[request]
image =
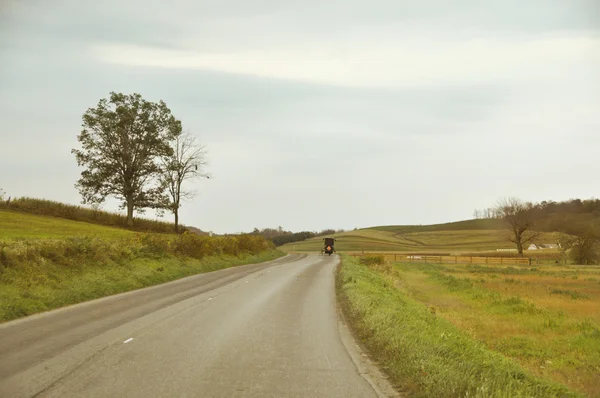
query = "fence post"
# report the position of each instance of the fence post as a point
(455, 259)
(395, 257)
(471, 259)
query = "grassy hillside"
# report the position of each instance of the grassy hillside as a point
(466, 225)
(451, 238)
(48, 262)
(16, 225)
(42, 207)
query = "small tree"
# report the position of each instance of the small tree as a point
(121, 140)
(518, 215)
(581, 243)
(185, 162)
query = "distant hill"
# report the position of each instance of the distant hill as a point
(450, 238)
(488, 234)
(466, 225)
(197, 231)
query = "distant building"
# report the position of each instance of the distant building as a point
(550, 246)
(543, 246)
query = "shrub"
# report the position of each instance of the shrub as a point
(373, 260)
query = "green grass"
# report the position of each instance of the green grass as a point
(423, 353)
(42, 207)
(31, 289)
(16, 225)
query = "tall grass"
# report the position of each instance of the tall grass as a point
(78, 213)
(74, 250)
(422, 353)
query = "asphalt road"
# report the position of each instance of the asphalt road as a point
(262, 330)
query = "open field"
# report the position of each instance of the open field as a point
(545, 318)
(442, 239)
(427, 354)
(16, 225)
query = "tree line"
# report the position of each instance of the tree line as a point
(575, 222)
(137, 152)
(280, 237)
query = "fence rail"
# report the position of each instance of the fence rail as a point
(449, 259)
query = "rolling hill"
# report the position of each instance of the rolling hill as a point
(17, 225)
(451, 238)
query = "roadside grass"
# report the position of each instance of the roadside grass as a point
(41, 287)
(539, 316)
(48, 262)
(423, 353)
(15, 225)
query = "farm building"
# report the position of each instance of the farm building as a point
(543, 246)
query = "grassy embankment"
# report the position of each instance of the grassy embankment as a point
(458, 330)
(49, 262)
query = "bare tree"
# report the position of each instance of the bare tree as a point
(477, 214)
(519, 217)
(187, 162)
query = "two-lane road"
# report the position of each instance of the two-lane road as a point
(268, 329)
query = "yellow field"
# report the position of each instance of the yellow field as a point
(547, 318)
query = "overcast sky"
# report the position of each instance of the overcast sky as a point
(315, 113)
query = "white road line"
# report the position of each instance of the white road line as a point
(210, 298)
(129, 340)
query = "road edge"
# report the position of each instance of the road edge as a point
(280, 260)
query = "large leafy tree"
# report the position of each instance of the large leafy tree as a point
(122, 140)
(186, 161)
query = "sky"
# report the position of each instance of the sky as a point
(317, 114)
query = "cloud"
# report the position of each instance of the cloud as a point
(406, 61)
(318, 114)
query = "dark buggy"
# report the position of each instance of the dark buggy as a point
(329, 248)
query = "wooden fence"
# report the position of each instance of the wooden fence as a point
(449, 259)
